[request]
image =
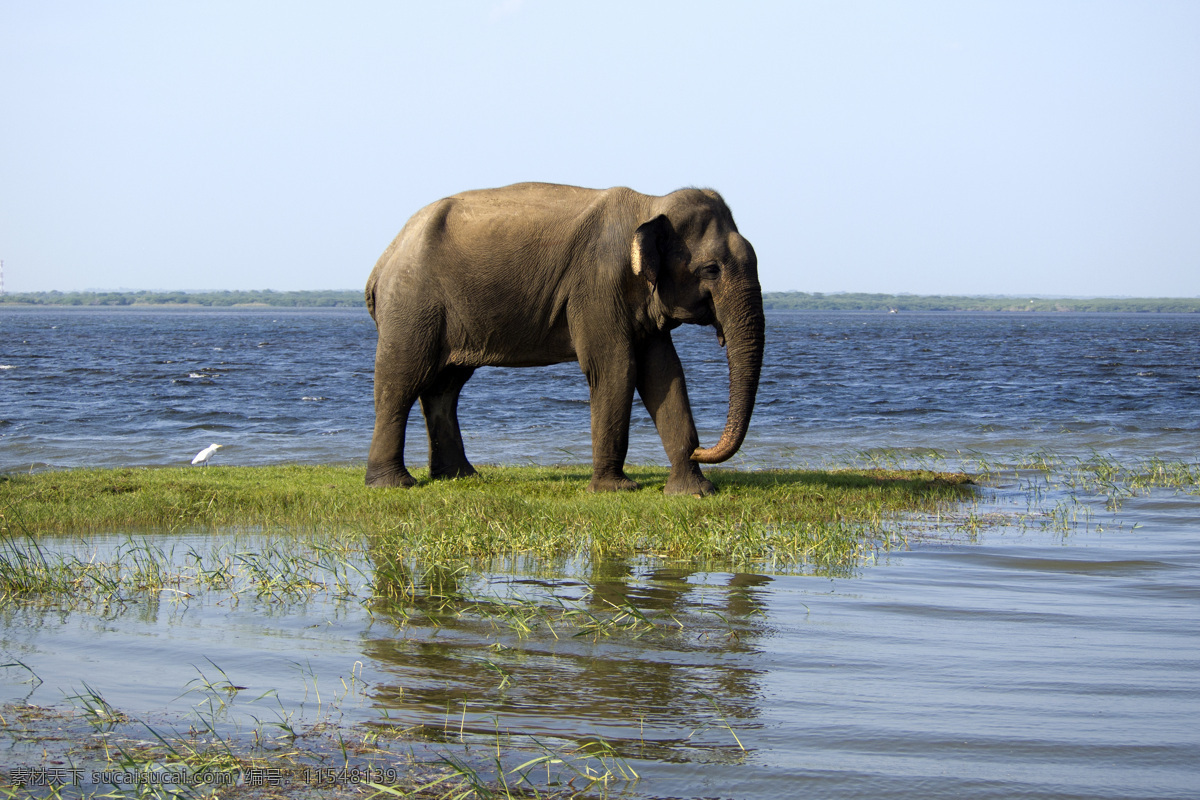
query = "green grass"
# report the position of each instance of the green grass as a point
(213, 758)
(792, 516)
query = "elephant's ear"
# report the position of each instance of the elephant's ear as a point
(650, 242)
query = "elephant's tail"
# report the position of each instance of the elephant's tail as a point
(371, 295)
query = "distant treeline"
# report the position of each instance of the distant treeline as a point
(783, 301)
(815, 301)
(265, 297)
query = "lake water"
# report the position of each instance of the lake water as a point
(1055, 655)
(151, 387)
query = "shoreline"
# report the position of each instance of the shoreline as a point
(772, 301)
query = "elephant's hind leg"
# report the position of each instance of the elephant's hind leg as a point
(447, 457)
(400, 377)
(385, 461)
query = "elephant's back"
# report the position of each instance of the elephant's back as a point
(487, 270)
(523, 216)
(528, 196)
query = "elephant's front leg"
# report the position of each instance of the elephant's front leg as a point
(661, 386)
(611, 377)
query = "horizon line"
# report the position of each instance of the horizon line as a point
(989, 295)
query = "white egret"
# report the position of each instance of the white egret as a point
(204, 455)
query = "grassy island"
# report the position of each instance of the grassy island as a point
(291, 535)
(788, 516)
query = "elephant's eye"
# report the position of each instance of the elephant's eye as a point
(709, 272)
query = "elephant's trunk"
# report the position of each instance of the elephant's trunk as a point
(742, 324)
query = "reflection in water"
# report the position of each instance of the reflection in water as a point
(655, 660)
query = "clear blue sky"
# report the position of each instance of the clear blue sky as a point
(927, 147)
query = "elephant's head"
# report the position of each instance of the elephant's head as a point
(702, 271)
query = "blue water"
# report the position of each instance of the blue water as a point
(1034, 659)
(152, 387)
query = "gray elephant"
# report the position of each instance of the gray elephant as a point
(536, 274)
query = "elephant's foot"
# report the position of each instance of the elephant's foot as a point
(690, 481)
(461, 470)
(612, 483)
(385, 478)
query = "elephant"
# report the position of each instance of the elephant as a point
(535, 274)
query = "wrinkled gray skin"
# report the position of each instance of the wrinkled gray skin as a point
(536, 274)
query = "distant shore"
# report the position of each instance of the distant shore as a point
(885, 303)
(778, 301)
